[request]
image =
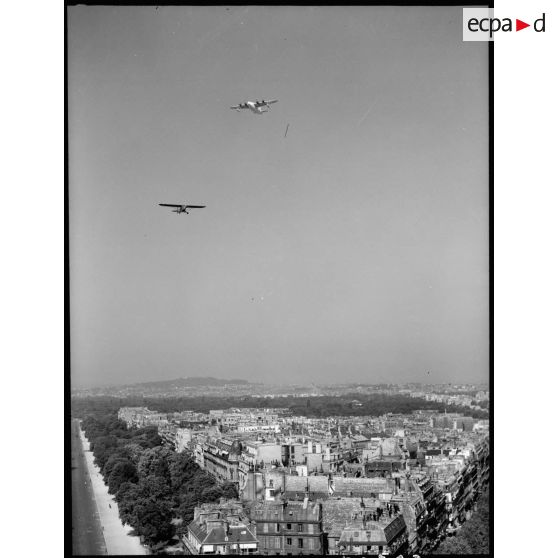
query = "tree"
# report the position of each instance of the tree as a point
(123, 471)
(155, 461)
(454, 545)
(158, 488)
(103, 447)
(153, 521)
(132, 451)
(149, 517)
(474, 536)
(126, 497)
(229, 490)
(116, 457)
(211, 494)
(182, 469)
(147, 437)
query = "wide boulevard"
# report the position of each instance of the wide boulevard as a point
(87, 534)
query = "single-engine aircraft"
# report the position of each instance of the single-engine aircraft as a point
(255, 106)
(181, 208)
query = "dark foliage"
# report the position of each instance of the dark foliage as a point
(153, 521)
(103, 447)
(323, 406)
(152, 484)
(123, 471)
(474, 536)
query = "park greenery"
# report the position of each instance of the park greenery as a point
(353, 404)
(156, 488)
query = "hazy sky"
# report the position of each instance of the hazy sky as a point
(354, 249)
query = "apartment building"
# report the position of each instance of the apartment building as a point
(286, 527)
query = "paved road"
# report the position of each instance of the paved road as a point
(87, 534)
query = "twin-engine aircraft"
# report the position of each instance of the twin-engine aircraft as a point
(255, 106)
(181, 208)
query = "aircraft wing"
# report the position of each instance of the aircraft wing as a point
(238, 107)
(265, 103)
(195, 206)
(170, 205)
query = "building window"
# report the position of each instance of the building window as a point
(300, 543)
(288, 526)
(300, 527)
(289, 541)
(277, 526)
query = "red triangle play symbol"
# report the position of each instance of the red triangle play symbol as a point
(519, 25)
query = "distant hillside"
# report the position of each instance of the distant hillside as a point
(191, 382)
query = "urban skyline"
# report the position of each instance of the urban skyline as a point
(304, 479)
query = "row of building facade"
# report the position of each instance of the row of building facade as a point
(392, 485)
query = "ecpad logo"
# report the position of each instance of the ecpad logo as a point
(479, 24)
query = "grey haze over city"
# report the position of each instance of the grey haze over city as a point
(355, 248)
